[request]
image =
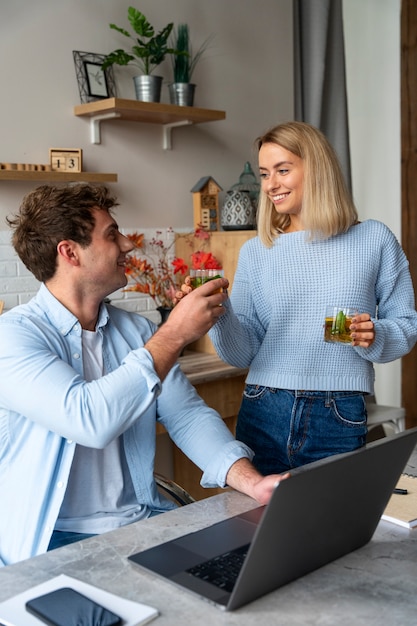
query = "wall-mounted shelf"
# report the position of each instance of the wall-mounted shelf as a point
(168, 115)
(87, 177)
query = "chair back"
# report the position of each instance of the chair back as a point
(390, 418)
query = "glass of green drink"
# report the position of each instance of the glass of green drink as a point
(199, 277)
(337, 324)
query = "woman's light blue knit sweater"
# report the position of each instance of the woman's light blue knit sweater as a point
(275, 314)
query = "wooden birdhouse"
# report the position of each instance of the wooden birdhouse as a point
(206, 203)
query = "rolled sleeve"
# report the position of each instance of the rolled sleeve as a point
(148, 372)
(216, 470)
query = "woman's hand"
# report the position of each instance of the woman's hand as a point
(363, 331)
(186, 288)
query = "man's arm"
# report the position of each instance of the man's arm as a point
(190, 319)
(245, 478)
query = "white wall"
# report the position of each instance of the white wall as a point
(372, 40)
(247, 72)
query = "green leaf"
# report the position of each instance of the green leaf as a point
(148, 50)
(139, 23)
(341, 322)
(120, 30)
(185, 60)
(120, 57)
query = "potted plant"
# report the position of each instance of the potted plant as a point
(154, 270)
(147, 52)
(181, 91)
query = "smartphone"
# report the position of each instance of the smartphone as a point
(67, 607)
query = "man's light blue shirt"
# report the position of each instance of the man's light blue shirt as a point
(46, 407)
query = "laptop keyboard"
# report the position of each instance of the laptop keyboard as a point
(223, 570)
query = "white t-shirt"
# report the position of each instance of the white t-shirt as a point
(99, 495)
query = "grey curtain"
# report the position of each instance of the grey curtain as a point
(319, 73)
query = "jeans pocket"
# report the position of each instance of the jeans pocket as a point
(254, 392)
(350, 409)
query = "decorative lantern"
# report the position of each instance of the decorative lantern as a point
(239, 208)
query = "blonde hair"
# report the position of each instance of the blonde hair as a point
(328, 208)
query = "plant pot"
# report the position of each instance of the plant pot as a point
(164, 312)
(181, 94)
(148, 88)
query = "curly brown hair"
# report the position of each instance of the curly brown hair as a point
(51, 214)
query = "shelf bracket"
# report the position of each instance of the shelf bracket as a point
(95, 122)
(167, 132)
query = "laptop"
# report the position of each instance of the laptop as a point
(322, 511)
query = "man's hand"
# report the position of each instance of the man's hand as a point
(264, 489)
(245, 478)
(189, 320)
(193, 316)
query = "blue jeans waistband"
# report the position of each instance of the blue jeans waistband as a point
(303, 393)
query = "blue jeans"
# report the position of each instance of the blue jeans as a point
(62, 538)
(287, 428)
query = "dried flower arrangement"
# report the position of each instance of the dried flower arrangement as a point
(156, 272)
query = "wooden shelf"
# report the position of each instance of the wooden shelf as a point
(87, 177)
(167, 115)
(148, 112)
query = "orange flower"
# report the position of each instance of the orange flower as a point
(180, 266)
(136, 239)
(155, 273)
(204, 261)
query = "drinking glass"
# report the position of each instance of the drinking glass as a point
(199, 277)
(337, 324)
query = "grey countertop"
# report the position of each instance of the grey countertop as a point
(374, 585)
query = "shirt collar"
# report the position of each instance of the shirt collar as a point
(60, 316)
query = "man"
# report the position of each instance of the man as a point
(82, 384)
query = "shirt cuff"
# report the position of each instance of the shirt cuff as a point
(215, 473)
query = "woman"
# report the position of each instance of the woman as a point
(304, 398)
